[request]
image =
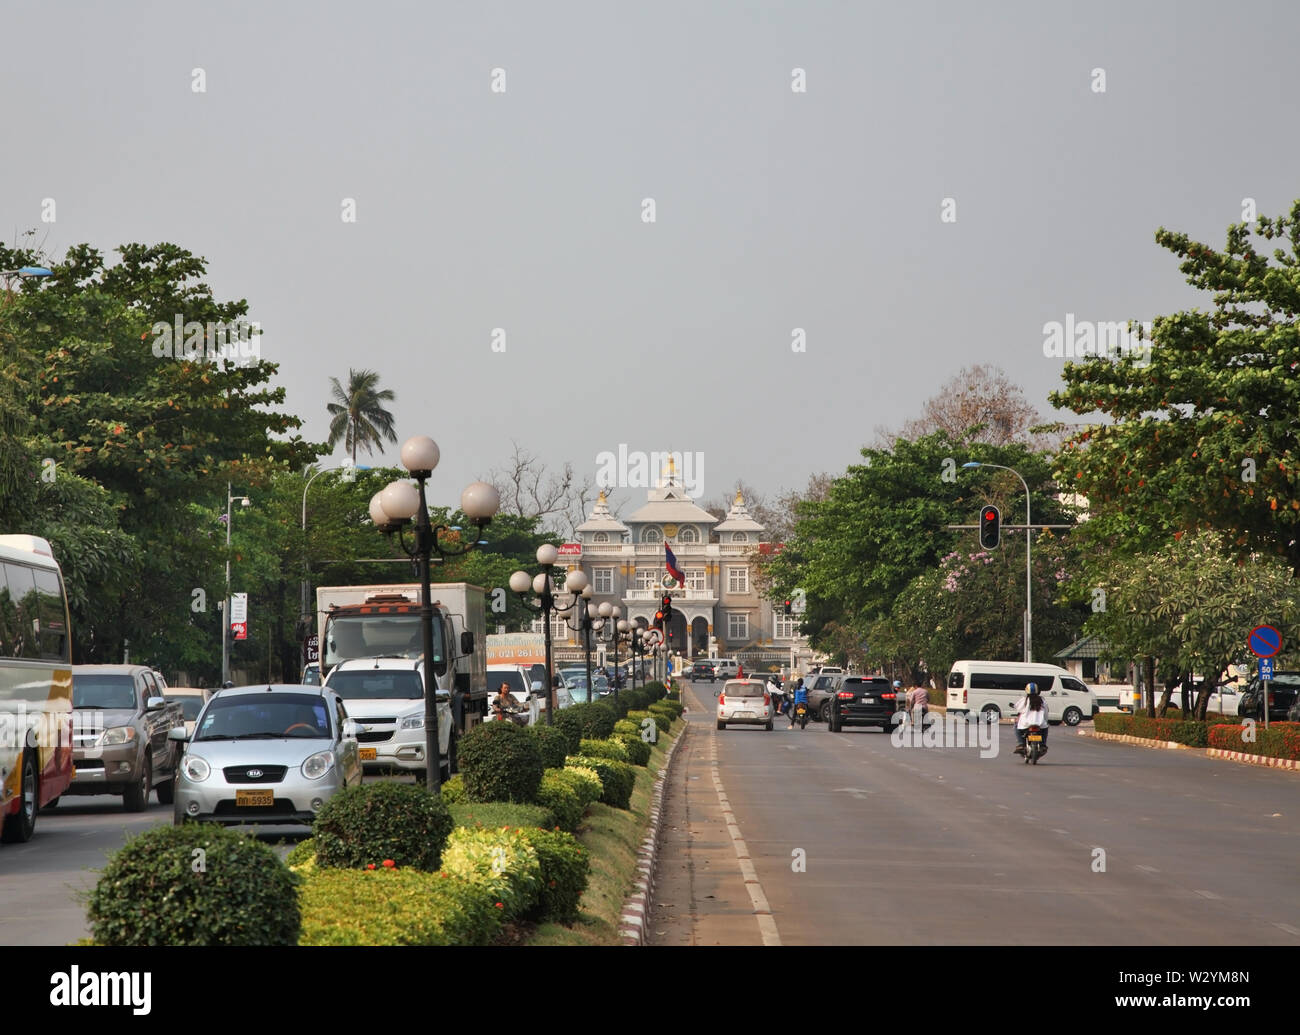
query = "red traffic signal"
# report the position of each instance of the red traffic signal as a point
(788, 607)
(990, 528)
(659, 620)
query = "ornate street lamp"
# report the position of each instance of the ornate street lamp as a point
(575, 583)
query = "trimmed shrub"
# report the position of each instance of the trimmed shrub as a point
(569, 722)
(673, 708)
(501, 862)
(1280, 740)
(301, 852)
(396, 907)
(453, 790)
(1180, 731)
(617, 779)
(500, 762)
(554, 744)
(627, 726)
(566, 866)
(604, 749)
(561, 797)
(599, 720)
(662, 720)
(638, 751)
(501, 814)
(586, 783)
(378, 821)
(150, 893)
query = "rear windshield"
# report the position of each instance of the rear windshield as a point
(513, 679)
(190, 706)
(867, 681)
(957, 680)
(744, 689)
(265, 716)
(91, 691)
(376, 684)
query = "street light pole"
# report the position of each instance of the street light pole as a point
(225, 607)
(305, 611)
(575, 583)
(1029, 582)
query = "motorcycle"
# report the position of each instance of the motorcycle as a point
(801, 715)
(1034, 745)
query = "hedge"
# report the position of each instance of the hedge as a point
(1280, 740)
(627, 726)
(586, 783)
(554, 744)
(500, 762)
(1181, 731)
(155, 892)
(301, 852)
(566, 865)
(663, 721)
(501, 814)
(604, 749)
(560, 796)
(506, 867)
(396, 907)
(673, 708)
(453, 790)
(617, 778)
(377, 821)
(638, 751)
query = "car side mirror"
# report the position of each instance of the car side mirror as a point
(537, 686)
(154, 703)
(467, 642)
(716, 692)
(351, 728)
(178, 733)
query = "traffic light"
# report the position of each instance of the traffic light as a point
(666, 606)
(789, 607)
(990, 527)
(659, 621)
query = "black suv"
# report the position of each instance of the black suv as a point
(704, 670)
(865, 701)
(1282, 694)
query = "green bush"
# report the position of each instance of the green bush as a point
(661, 720)
(647, 725)
(604, 749)
(501, 814)
(301, 852)
(378, 821)
(453, 790)
(566, 866)
(153, 891)
(586, 783)
(500, 762)
(396, 907)
(569, 722)
(561, 797)
(499, 861)
(1280, 740)
(554, 744)
(638, 751)
(617, 778)
(627, 726)
(673, 708)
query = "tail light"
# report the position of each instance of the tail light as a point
(1271, 700)
(888, 696)
(964, 699)
(845, 695)
(722, 698)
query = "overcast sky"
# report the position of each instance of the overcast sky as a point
(774, 209)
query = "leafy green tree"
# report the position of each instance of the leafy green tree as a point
(358, 417)
(1204, 435)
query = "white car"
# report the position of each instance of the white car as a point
(385, 697)
(191, 699)
(745, 702)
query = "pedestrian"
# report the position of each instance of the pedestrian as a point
(919, 699)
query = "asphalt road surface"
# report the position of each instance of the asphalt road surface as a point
(818, 838)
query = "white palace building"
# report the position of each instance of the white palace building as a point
(719, 612)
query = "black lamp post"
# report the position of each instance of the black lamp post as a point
(617, 627)
(392, 509)
(575, 583)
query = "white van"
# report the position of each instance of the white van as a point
(990, 688)
(726, 668)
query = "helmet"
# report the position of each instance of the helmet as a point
(898, 682)
(1031, 688)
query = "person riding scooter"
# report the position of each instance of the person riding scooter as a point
(800, 697)
(1031, 711)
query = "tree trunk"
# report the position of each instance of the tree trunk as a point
(1149, 681)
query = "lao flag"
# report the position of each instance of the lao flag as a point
(673, 570)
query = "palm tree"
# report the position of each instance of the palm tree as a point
(357, 416)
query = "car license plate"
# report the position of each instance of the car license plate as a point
(744, 715)
(255, 798)
(369, 754)
(868, 700)
(1035, 738)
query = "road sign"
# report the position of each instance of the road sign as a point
(239, 630)
(311, 649)
(1265, 668)
(238, 608)
(1264, 641)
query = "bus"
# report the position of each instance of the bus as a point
(35, 684)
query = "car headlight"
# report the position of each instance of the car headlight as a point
(412, 722)
(117, 735)
(196, 769)
(318, 765)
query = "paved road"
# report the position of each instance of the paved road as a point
(938, 845)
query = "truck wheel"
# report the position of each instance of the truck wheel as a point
(19, 827)
(166, 791)
(1072, 716)
(136, 798)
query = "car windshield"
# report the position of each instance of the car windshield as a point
(265, 716)
(376, 684)
(190, 706)
(103, 691)
(311, 675)
(1285, 681)
(373, 636)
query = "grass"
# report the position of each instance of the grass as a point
(613, 837)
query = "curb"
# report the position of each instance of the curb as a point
(1287, 764)
(632, 922)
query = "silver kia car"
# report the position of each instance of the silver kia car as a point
(266, 754)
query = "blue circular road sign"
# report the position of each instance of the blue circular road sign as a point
(1264, 641)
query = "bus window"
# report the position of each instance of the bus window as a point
(22, 590)
(10, 631)
(53, 639)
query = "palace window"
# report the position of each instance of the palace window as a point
(602, 579)
(737, 580)
(737, 626)
(652, 535)
(688, 534)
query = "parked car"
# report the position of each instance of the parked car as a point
(578, 688)
(865, 701)
(726, 668)
(1282, 694)
(703, 670)
(266, 754)
(385, 698)
(191, 699)
(745, 702)
(120, 744)
(311, 674)
(821, 692)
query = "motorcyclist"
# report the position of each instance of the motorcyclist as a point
(774, 693)
(800, 697)
(1030, 711)
(504, 707)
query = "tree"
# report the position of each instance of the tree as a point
(529, 489)
(978, 404)
(357, 415)
(1203, 432)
